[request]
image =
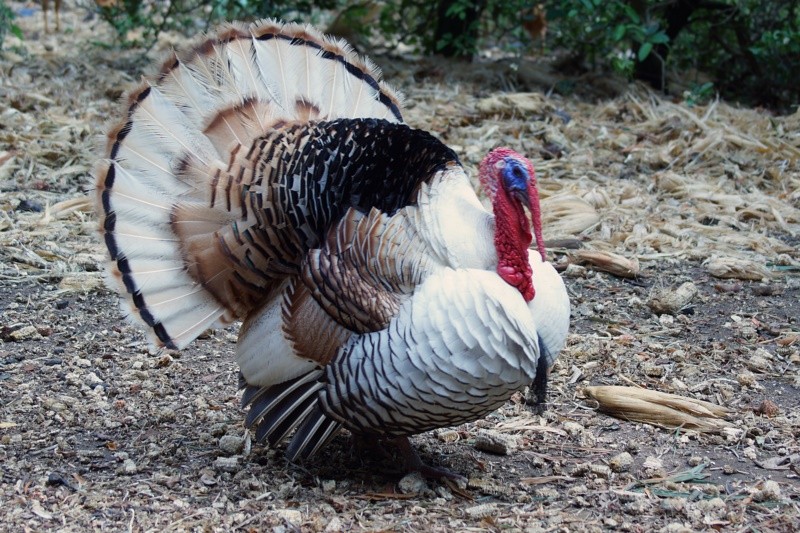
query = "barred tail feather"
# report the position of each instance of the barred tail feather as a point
(312, 435)
(278, 410)
(166, 163)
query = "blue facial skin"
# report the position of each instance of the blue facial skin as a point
(515, 180)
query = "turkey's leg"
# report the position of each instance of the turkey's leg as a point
(413, 463)
(537, 394)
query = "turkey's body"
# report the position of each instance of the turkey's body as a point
(266, 176)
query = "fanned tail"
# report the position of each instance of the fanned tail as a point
(168, 188)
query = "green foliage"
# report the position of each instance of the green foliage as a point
(355, 20)
(699, 94)
(410, 22)
(462, 42)
(139, 22)
(605, 32)
(7, 23)
(420, 24)
(751, 49)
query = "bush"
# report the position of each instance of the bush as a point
(751, 49)
(6, 23)
(139, 22)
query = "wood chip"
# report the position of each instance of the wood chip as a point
(495, 442)
(481, 511)
(672, 300)
(488, 486)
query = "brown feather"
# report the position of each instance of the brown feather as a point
(302, 315)
(238, 124)
(306, 111)
(366, 268)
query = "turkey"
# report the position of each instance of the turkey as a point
(267, 176)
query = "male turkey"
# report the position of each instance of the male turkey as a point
(266, 175)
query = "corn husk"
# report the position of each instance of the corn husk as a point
(515, 104)
(659, 408)
(496, 442)
(735, 268)
(608, 262)
(83, 204)
(565, 215)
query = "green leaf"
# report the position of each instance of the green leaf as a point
(446, 39)
(644, 51)
(619, 32)
(659, 38)
(636, 33)
(633, 15)
(17, 31)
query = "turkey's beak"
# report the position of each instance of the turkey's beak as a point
(522, 197)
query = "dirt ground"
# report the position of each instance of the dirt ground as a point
(98, 433)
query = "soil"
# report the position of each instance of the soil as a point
(99, 433)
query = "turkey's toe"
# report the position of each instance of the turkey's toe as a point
(413, 463)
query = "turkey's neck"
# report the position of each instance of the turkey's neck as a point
(512, 239)
(455, 224)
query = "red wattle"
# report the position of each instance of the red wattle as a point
(511, 239)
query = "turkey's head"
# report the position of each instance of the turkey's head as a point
(510, 183)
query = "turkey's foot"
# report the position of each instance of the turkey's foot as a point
(413, 463)
(370, 449)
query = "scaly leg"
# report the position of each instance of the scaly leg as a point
(413, 463)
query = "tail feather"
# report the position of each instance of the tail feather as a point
(276, 429)
(313, 434)
(277, 410)
(185, 87)
(240, 124)
(171, 188)
(155, 132)
(157, 275)
(270, 397)
(273, 65)
(245, 75)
